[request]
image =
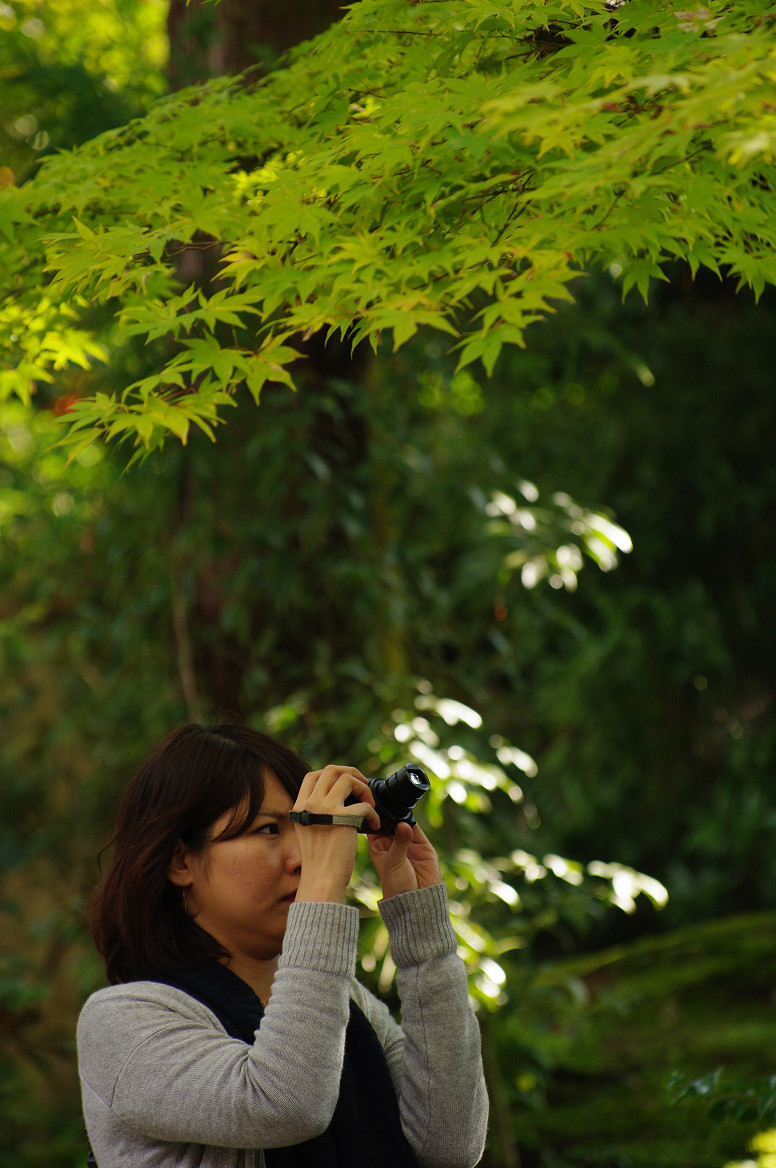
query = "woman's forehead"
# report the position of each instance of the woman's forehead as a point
(276, 797)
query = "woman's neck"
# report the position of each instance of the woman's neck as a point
(258, 973)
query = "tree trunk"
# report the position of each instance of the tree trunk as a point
(207, 40)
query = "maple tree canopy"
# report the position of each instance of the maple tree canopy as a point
(452, 164)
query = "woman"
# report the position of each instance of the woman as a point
(234, 1034)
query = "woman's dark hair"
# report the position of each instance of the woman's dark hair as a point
(195, 775)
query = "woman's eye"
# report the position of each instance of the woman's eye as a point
(267, 829)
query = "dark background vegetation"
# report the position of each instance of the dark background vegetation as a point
(330, 563)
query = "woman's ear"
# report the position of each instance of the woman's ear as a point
(180, 872)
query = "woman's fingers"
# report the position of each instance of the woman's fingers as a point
(326, 792)
(363, 811)
(336, 781)
(306, 789)
(381, 845)
(321, 782)
(405, 861)
(348, 784)
(328, 852)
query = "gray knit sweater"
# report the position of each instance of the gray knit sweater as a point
(165, 1087)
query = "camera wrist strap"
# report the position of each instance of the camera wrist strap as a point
(310, 818)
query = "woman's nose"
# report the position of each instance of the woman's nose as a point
(293, 855)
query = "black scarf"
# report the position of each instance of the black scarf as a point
(365, 1129)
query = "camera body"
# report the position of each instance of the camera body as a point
(395, 796)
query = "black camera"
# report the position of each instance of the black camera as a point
(396, 795)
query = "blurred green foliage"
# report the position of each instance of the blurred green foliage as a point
(70, 70)
(660, 697)
(698, 997)
(405, 560)
(330, 571)
(764, 1147)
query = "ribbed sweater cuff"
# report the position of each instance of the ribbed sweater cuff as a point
(322, 936)
(418, 925)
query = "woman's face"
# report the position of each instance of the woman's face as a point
(239, 890)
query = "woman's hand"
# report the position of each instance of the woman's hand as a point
(404, 861)
(329, 853)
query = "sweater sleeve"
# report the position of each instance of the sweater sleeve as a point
(163, 1065)
(435, 1058)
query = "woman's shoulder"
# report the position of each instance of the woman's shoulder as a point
(119, 1021)
(137, 1003)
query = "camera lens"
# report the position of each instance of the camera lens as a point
(396, 795)
(416, 776)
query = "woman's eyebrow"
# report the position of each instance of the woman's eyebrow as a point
(272, 814)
